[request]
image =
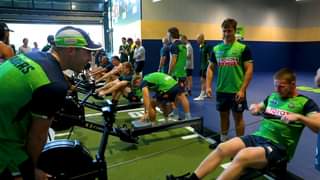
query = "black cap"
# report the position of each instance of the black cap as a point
(4, 27)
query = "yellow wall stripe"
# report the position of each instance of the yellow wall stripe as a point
(152, 29)
(308, 34)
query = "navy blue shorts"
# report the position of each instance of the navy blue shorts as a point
(226, 101)
(169, 96)
(203, 73)
(181, 81)
(189, 72)
(275, 153)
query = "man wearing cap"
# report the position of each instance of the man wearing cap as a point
(33, 89)
(47, 47)
(5, 49)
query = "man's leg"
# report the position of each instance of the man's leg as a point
(224, 150)
(224, 125)
(189, 80)
(203, 87)
(185, 105)
(115, 87)
(252, 157)
(239, 123)
(152, 111)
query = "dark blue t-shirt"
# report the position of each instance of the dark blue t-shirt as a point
(165, 52)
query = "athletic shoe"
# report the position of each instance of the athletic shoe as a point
(199, 98)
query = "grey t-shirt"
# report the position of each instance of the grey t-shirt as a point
(189, 63)
(139, 54)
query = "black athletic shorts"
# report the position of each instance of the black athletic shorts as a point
(226, 101)
(189, 72)
(169, 96)
(274, 152)
(203, 73)
(181, 81)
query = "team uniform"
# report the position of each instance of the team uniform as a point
(204, 58)
(179, 49)
(46, 48)
(279, 138)
(165, 52)
(165, 87)
(230, 59)
(32, 85)
(135, 95)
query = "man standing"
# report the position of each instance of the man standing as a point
(123, 50)
(24, 48)
(139, 56)
(33, 89)
(205, 50)
(131, 48)
(164, 56)
(50, 43)
(189, 63)
(235, 67)
(178, 56)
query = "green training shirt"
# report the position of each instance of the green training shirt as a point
(180, 50)
(26, 88)
(230, 59)
(159, 82)
(278, 131)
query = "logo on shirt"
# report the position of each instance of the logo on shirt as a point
(231, 61)
(23, 66)
(291, 106)
(273, 102)
(276, 112)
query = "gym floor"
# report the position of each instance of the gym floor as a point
(173, 152)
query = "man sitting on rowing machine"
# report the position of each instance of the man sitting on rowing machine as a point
(117, 85)
(132, 91)
(287, 114)
(167, 92)
(109, 73)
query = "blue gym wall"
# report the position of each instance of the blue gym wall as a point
(279, 33)
(268, 56)
(306, 58)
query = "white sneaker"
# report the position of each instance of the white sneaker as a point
(199, 98)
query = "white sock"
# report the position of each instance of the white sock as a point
(176, 112)
(187, 116)
(202, 93)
